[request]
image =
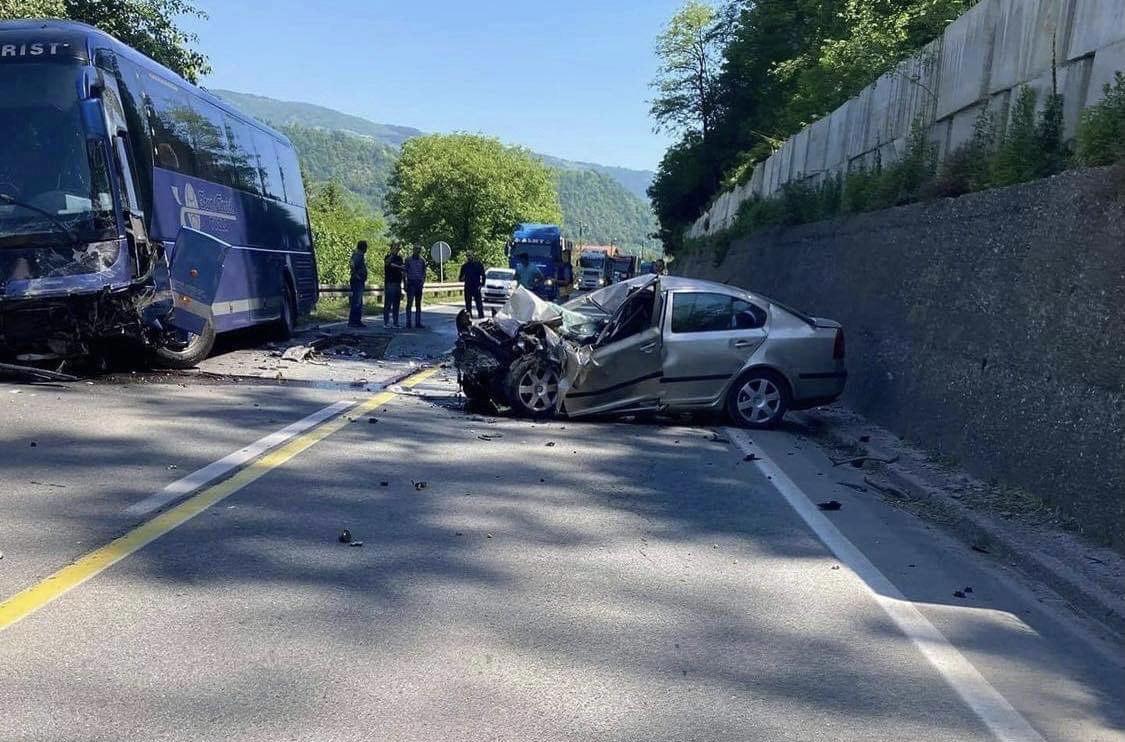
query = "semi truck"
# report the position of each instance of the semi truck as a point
(594, 266)
(545, 248)
(622, 268)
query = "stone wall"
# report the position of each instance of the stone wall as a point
(982, 59)
(989, 328)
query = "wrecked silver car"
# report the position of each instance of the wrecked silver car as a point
(652, 344)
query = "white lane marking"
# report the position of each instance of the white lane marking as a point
(993, 709)
(213, 471)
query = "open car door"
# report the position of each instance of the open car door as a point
(195, 267)
(626, 364)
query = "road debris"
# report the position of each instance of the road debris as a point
(716, 438)
(830, 505)
(751, 457)
(33, 373)
(859, 461)
(981, 549)
(172, 467)
(853, 485)
(33, 444)
(345, 536)
(384, 484)
(357, 544)
(887, 489)
(372, 420)
(419, 486)
(550, 444)
(489, 436)
(298, 353)
(959, 594)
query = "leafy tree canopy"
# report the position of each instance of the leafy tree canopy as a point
(786, 63)
(470, 191)
(339, 220)
(148, 26)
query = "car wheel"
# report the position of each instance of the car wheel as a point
(533, 387)
(758, 399)
(180, 349)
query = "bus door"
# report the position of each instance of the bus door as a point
(195, 269)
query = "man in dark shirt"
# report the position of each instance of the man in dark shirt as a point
(358, 284)
(415, 283)
(472, 275)
(394, 275)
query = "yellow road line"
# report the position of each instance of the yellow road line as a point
(23, 604)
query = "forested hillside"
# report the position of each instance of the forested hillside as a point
(599, 210)
(600, 203)
(291, 113)
(360, 164)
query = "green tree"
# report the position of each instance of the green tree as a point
(146, 25)
(1101, 135)
(690, 52)
(339, 220)
(470, 191)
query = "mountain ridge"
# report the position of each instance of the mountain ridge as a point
(281, 114)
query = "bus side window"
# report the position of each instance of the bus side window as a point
(268, 166)
(243, 157)
(172, 121)
(209, 140)
(291, 174)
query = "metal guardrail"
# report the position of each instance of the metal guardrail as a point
(429, 288)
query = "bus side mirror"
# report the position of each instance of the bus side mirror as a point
(92, 117)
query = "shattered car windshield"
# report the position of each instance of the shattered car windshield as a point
(610, 299)
(51, 186)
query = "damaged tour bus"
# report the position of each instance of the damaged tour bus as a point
(135, 206)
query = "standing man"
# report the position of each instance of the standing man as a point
(394, 275)
(358, 284)
(472, 274)
(527, 275)
(415, 281)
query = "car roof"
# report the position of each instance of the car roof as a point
(680, 283)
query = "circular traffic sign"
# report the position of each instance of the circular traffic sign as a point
(440, 252)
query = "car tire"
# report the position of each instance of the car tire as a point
(189, 354)
(758, 399)
(533, 388)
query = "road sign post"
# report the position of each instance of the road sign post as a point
(440, 252)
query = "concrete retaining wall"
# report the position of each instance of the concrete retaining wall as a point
(989, 328)
(982, 58)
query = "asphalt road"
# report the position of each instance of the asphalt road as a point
(554, 581)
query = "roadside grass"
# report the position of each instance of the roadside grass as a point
(334, 308)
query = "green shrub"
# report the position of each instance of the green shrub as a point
(860, 189)
(1101, 133)
(1032, 147)
(968, 168)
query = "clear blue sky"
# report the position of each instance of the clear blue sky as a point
(568, 78)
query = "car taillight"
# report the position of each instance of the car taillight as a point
(838, 348)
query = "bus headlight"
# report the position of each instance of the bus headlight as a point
(601, 282)
(550, 282)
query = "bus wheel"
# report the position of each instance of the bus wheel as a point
(286, 324)
(180, 349)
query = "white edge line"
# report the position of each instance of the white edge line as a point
(992, 708)
(223, 466)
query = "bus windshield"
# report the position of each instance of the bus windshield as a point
(54, 186)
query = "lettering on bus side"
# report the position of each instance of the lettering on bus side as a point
(33, 49)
